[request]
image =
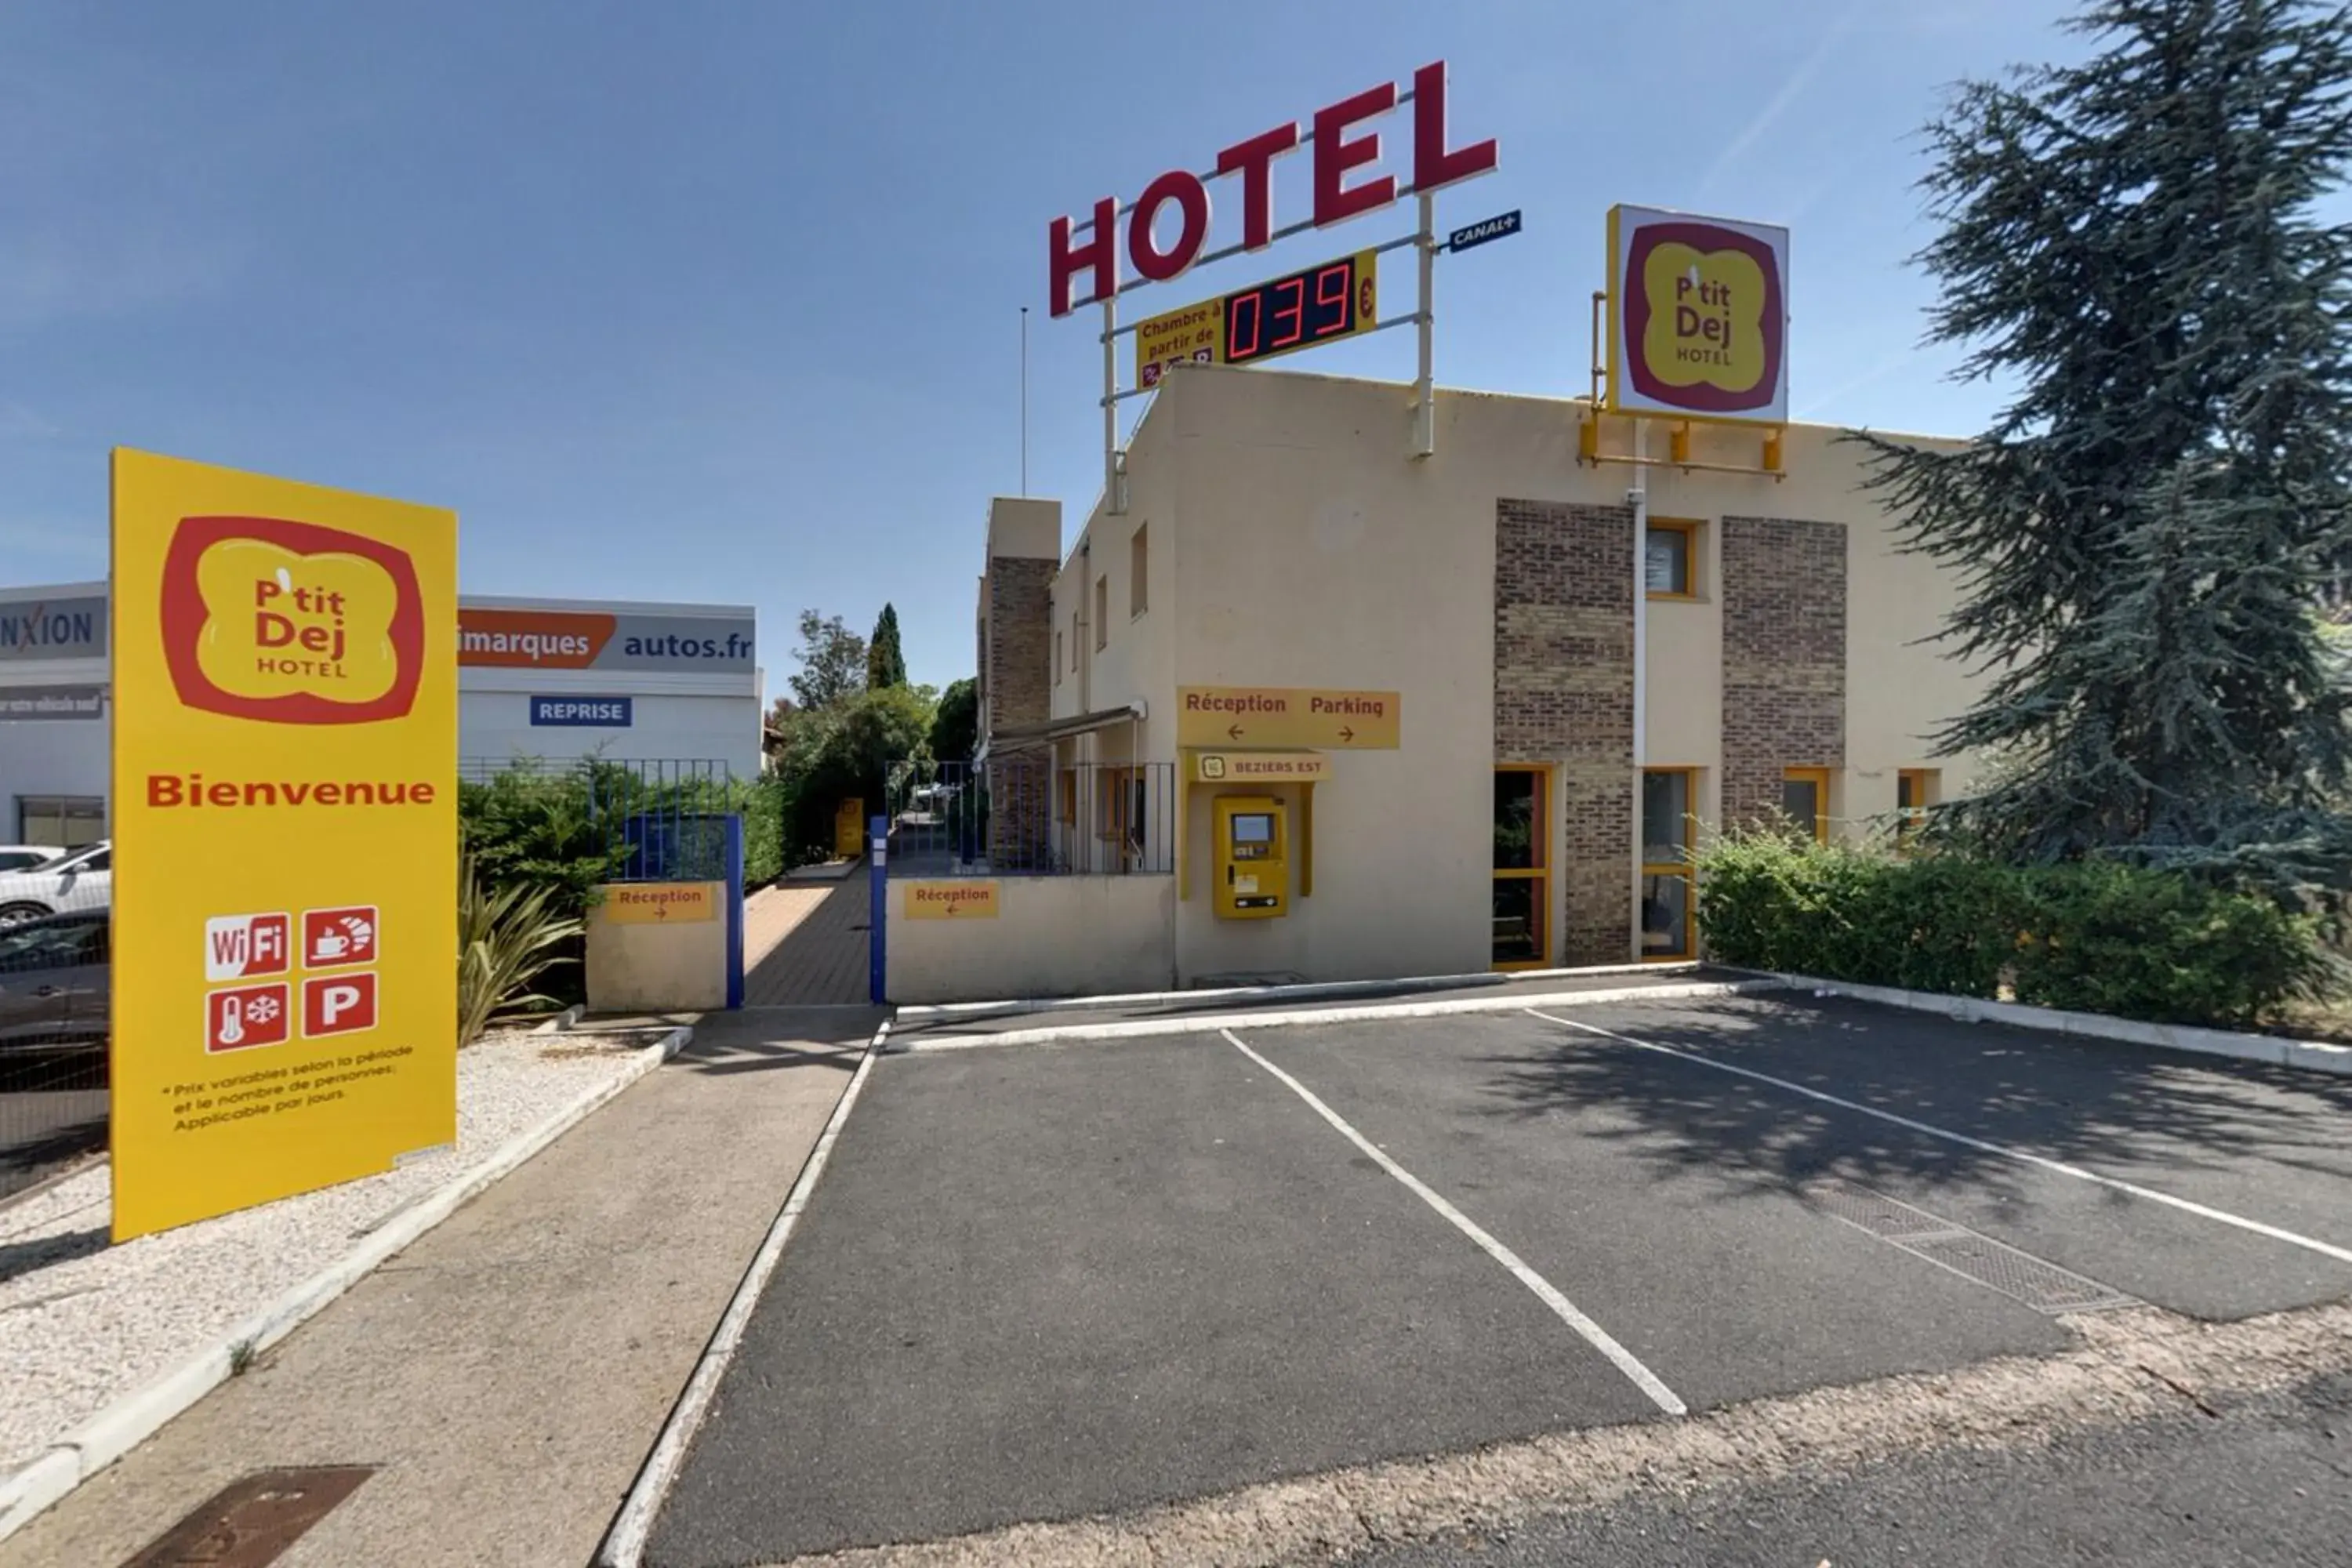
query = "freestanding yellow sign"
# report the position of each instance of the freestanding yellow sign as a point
(285, 837)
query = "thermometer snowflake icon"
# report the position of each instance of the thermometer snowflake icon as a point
(264, 1009)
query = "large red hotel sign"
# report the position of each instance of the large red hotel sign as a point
(1339, 151)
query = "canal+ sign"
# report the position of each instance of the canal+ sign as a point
(1342, 149)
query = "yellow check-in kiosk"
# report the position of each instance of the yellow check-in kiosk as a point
(1252, 857)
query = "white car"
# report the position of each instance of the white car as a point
(25, 857)
(83, 879)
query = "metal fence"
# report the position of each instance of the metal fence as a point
(657, 820)
(1022, 814)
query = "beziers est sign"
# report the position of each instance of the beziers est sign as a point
(1339, 150)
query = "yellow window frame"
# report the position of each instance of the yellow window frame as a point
(1688, 526)
(1068, 804)
(1681, 870)
(1920, 783)
(1539, 851)
(1819, 779)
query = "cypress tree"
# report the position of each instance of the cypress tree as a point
(2147, 534)
(885, 665)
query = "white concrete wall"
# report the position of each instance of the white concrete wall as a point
(55, 756)
(685, 719)
(644, 967)
(1051, 936)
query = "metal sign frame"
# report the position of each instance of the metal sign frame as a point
(1426, 241)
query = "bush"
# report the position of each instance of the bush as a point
(2100, 937)
(507, 939)
(2107, 938)
(765, 807)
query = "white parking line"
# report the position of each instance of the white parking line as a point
(1594, 1334)
(2041, 1162)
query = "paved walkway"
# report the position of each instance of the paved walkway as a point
(806, 945)
(508, 1373)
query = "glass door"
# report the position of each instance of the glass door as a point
(1522, 933)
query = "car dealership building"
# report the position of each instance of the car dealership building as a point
(542, 680)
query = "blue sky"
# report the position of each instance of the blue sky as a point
(720, 303)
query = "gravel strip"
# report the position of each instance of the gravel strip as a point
(82, 1323)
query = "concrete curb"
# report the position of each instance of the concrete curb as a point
(625, 1539)
(1208, 1023)
(114, 1431)
(2312, 1055)
(1302, 991)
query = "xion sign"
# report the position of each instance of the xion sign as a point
(1332, 299)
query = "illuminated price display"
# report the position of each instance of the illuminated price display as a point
(1336, 300)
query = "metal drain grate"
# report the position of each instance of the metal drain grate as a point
(2045, 1287)
(249, 1523)
(1874, 1212)
(1995, 1265)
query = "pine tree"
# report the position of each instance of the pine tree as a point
(885, 666)
(2147, 534)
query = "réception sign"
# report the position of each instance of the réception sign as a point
(1339, 151)
(286, 837)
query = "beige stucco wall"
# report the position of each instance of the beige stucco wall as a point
(1295, 543)
(1051, 936)
(657, 966)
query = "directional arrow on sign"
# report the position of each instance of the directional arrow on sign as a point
(1233, 732)
(1347, 734)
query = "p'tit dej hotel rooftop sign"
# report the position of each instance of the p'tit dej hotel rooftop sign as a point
(1339, 150)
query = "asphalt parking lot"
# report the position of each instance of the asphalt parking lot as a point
(1046, 1280)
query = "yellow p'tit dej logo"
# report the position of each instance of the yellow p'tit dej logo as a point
(1704, 317)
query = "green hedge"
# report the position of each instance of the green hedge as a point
(2095, 937)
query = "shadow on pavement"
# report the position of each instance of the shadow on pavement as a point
(2086, 1103)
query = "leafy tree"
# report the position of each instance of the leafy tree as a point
(2148, 530)
(844, 751)
(832, 660)
(885, 665)
(955, 730)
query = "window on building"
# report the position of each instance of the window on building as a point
(1669, 804)
(1915, 789)
(1058, 658)
(1805, 797)
(1069, 796)
(1670, 558)
(65, 821)
(1075, 627)
(1102, 612)
(1139, 572)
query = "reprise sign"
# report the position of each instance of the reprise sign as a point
(1340, 152)
(285, 838)
(1698, 316)
(575, 639)
(585, 712)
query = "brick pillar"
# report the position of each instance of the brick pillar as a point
(1019, 638)
(1564, 695)
(1784, 621)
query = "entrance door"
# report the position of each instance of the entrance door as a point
(1522, 936)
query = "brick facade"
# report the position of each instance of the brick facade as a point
(1784, 628)
(1564, 695)
(1018, 677)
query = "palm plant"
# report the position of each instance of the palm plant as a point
(505, 942)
